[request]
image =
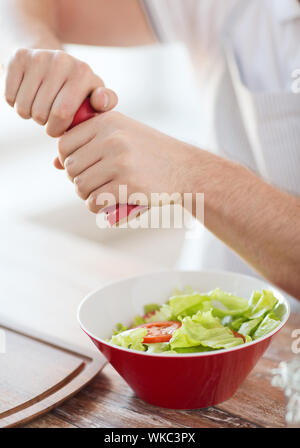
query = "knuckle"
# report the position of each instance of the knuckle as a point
(8, 98)
(39, 56)
(60, 55)
(62, 150)
(122, 161)
(63, 112)
(23, 111)
(39, 116)
(68, 164)
(116, 139)
(80, 188)
(53, 131)
(20, 53)
(82, 69)
(62, 58)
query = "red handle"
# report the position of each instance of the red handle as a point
(85, 112)
(120, 212)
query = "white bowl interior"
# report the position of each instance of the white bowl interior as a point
(120, 301)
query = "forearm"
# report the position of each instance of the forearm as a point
(258, 221)
(27, 24)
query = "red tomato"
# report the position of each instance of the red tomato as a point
(238, 335)
(160, 331)
(147, 315)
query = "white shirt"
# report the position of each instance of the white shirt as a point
(244, 53)
(266, 39)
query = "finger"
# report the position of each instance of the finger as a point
(83, 158)
(92, 178)
(74, 139)
(102, 125)
(103, 99)
(57, 164)
(47, 93)
(103, 197)
(14, 76)
(27, 91)
(67, 103)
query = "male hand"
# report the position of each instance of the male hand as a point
(50, 85)
(111, 150)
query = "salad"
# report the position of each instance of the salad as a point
(190, 322)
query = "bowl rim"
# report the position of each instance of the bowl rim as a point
(184, 355)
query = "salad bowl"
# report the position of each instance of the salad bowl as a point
(181, 380)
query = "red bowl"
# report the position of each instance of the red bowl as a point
(185, 381)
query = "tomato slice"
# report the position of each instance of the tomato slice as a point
(238, 335)
(160, 331)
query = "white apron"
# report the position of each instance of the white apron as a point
(260, 131)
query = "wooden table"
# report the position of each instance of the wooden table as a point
(52, 279)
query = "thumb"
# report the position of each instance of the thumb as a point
(103, 99)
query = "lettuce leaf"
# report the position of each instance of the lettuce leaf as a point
(138, 320)
(197, 349)
(163, 314)
(203, 329)
(225, 304)
(266, 326)
(131, 339)
(265, 303)
(237, 322)
(248, 327)
(278, 311)
(119, 328)
(150, 307)
(255, 296)
(158, 347)
(189, 304)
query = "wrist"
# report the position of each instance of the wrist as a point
(43, 38)
(217, 179)
(40, 38)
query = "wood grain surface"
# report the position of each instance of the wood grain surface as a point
(36, 376)
(108, 402)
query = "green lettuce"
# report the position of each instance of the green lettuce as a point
(265, 303)
(278, 312)
(189, 304)
(158, 347)
(119, 328)
(163, 314)
(236, 323)
(207, 321)
(255, 296)
(197, 349)
(203, 329)
(131, 339)
(266, 326)
(150, 307)
(226, 304)
(248, 327)
(138, 320)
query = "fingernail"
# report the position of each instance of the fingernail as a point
(68, 161)
(106, 100)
